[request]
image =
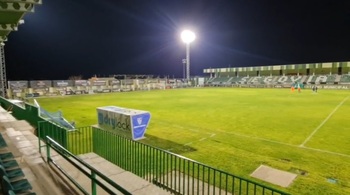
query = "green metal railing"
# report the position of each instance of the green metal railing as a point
(30, 113)
(47, 128)
(173, 172)
(77, 141)
(92, 173)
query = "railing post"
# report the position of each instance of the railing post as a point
(93, 183)
(48, 150)
(38, 131)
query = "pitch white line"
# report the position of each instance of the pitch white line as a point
(286, 144)
(268, 140)
(326, 151)
(271, 141)
(184, 127)
(189, 129)
(256, 138)
(202, 139)
(324, 121)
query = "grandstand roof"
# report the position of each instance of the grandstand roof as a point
(279, 67)
(12, 13)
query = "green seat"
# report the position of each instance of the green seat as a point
(2, 142)
(6, 156)
(10, 192)
(10, 164)
(18, 186)
(11, 174)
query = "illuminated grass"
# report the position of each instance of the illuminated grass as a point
(237, 130)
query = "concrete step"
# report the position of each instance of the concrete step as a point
(127, 180)
(46, 179)
(23, 144)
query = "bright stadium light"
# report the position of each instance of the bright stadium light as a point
(187, 37)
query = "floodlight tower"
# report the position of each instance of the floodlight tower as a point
(184, 62)
(3, 80)
(187, 37)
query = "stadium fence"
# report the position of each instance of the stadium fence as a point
(173, 172)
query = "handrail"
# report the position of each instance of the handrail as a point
(163, 168)
(220, 171)
(158, 166)
(65, 153)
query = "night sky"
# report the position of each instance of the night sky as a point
(105, 37)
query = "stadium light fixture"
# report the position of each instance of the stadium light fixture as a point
(188, 37)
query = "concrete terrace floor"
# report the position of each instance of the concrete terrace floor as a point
(46, 179)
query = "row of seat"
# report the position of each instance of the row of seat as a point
(345, 79)
(11, 175)
(329, 79)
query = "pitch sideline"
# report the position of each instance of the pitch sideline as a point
(324, 121)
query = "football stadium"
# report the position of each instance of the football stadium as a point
(278, 129)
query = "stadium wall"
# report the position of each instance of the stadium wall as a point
(26, 89)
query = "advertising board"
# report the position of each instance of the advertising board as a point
(128, 122)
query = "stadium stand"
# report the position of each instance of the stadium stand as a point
(311, 79)
(17, 186)
(337, 78)
(327, 75)
(18, 142)
(331, 79)
(256, 80)
(220, 80)
(235, 80)
(345, 79)
(304, 79)
(11, 173)
(12, 176)
(283, 80)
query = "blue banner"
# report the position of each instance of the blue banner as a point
(139, 125)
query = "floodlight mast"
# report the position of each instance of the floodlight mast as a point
(188, 62)
(184, 61)
(188, 37)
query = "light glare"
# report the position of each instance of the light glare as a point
(188, 36)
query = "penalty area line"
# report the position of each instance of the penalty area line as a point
(324, 121)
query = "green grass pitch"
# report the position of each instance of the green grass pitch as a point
(237, 130)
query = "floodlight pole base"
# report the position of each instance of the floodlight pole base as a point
(188, 61)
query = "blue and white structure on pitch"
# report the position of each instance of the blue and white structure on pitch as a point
(124, 121)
